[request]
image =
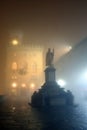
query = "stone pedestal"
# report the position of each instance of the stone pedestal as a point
(50, 74)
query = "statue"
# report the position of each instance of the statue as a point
(49, 57)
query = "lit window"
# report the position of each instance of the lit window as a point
(14, 77)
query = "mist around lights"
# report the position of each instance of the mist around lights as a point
(85, 75)
(14, 85)
(32, 85)
(61, 82)
(83, 78)
(14, 42)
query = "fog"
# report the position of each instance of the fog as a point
(55, 24)
(72, 67)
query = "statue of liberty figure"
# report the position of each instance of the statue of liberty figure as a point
(49, 57)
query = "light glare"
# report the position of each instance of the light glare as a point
(32, 85)
(61, 82)
(23, 85)
(85, 75)
(14, 85)
(14, 42)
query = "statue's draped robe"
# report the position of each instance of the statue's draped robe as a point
(49, 58)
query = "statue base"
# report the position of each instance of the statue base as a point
(50, 74)
(51, 94)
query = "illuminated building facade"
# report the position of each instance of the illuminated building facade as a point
(25, 65)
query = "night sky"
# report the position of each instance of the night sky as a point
(47, 21)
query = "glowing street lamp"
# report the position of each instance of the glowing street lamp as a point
(83, 77)
(15, 42)
(14, 85)
(32, 85)
(61, 82)
(68, 48)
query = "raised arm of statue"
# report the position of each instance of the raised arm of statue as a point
(49, 57)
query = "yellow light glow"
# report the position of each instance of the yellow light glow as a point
(13, 108)
(14, 42)
(23, 85)
(68, 48)
(14, 66)
(32, 85)
(14, 85)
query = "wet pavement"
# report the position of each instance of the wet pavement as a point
(18, 115)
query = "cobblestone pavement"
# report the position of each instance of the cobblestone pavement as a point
(20, 116)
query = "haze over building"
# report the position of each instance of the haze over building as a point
(55, 24)
(24, 67)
